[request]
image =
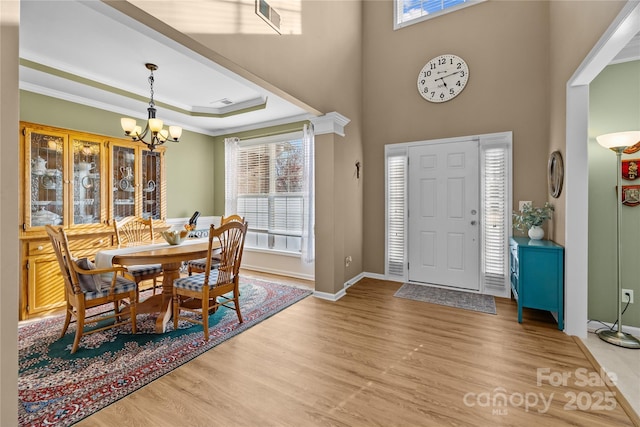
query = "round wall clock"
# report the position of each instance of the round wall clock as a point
(443, 78)
(555, 172)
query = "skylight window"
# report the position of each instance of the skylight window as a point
(408, 12)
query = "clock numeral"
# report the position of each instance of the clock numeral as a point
(441, 95)
(423, 81)
(442, 61)
(433, 66)
(451, 91)
(459, 66)
(462, 74)
(425, 90)
(433, 94)
(458, 83)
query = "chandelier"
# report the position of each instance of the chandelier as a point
(158, 135)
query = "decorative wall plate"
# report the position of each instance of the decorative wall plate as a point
(555, 170)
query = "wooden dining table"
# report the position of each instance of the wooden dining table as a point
(170, 257)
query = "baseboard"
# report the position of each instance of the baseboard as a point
(328, 296)
(594, 325)
(278, 272)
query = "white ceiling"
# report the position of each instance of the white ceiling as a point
(92, 54)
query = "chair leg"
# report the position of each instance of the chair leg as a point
(67, 320)
(205, 317)
(155, 283)
(133, 297)
(79, 330)
(236, 301)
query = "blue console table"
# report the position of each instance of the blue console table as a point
(537, 275)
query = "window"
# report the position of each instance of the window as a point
(396, 211)
(408, 12)
(268, 184)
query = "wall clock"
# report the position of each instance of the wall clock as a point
(443, 78)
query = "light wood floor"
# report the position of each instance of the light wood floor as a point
(370, 359)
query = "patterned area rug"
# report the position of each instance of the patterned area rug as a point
(57, 388)
(449, 297)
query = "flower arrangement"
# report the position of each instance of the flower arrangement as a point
(532, 216)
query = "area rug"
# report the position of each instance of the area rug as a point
(448, 297)
(58, 388)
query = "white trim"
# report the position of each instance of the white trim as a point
(620, 32)
(278, 272)
(328, 296)
(353, 281)
(329, 123)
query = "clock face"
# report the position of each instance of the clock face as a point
(443, 78)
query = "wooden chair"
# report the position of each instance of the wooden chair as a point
(85, 288)
(200, 292)
(131, 231)
(199, 265)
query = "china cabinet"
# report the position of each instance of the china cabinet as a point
(83, 182)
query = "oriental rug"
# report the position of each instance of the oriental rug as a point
(59, 388)
(448, 297)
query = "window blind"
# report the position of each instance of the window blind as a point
(396, 214)
(269, 180)
(494, 214)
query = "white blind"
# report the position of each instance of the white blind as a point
(494, 208)
(396, 214)
(269, 180)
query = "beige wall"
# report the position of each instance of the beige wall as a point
(321, 66)
(505, 45)
(575, 28)
(9, 262)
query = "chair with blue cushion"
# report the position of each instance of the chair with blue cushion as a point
(205, 292)
(87, 287)
(132, 231)
(199, 265)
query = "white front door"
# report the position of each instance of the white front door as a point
(444, 205)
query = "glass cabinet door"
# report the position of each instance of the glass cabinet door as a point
(87, 169)
(151, 180)
(123, 181)
(44, 170)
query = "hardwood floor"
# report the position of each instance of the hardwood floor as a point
(370, 359)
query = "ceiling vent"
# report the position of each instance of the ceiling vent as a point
(269, 14)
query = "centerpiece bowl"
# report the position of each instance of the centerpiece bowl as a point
(175, 237)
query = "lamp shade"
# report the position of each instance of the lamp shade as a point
(619, 139)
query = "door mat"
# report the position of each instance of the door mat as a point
(448, 297)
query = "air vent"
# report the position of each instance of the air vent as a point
(269, 14)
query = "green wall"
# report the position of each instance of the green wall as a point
(195, 165)
(614, 107)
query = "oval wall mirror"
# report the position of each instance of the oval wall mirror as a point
(555, 174)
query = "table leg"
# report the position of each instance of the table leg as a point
(170, 272)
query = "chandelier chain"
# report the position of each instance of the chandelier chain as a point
(151, 102)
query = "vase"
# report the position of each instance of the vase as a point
(536, 232)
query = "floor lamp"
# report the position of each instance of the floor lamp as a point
(617, 142)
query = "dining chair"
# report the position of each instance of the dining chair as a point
(205, 292)
(86, 287)
(199, 265)
(132, 231)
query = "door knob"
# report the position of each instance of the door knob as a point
(473, 222)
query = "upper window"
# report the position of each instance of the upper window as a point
(408, 12)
